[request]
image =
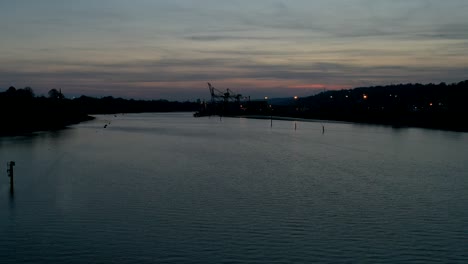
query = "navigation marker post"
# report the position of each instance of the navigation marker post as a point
(10, 172)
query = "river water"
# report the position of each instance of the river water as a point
(170, 188)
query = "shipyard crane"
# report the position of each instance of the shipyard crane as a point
(217, 95)
(235, 96)
(222, 103)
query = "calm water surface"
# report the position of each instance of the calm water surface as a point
(169, 188)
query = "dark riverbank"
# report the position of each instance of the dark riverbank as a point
(377, 123)
(436, 106)
(22, 112)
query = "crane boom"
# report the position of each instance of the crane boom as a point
(225, 96)
(227, 102)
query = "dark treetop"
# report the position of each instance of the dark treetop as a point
(22, 112)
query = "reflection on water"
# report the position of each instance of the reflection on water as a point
(12, 200)
(171, 188)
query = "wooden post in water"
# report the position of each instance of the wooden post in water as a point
(10, 172)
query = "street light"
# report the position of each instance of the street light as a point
(296, 102)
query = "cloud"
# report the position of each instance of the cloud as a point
(177, 74)
(155, 47)
(224, 37)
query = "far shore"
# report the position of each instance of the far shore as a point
(285, 118)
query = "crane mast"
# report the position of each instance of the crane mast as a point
(217, 95)
(222, 103)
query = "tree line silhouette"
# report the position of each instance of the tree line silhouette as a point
(21, 111)
(442, 106)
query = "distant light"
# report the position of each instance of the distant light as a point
(266, 97)
(331, 96)
(364, 96)
(430, 104)
(346, 96)
(295, 97)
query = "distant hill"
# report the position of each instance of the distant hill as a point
(281, 101)
(441, 105)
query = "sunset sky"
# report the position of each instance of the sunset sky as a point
(169, 49)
